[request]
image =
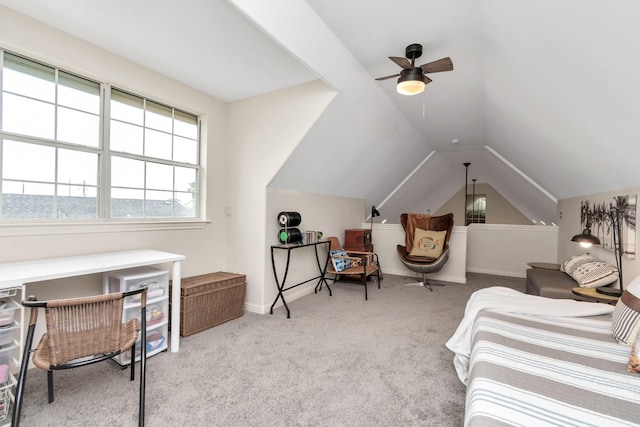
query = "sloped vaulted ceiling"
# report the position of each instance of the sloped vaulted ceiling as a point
(543, 101)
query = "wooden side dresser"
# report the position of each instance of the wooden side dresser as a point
(358, 239)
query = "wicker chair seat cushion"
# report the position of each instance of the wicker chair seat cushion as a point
(360, 270)
(45, 356)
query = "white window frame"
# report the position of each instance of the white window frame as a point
(103, 221)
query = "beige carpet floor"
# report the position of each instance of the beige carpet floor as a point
(339, 361)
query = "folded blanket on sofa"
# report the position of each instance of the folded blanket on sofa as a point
(506, 300)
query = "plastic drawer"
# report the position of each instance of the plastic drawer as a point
(156, 342)
(6, 334)
(134, 278)
(157, 312)
(8, 309)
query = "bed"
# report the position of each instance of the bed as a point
(537, 369)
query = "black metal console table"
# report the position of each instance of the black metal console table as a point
(281, 285)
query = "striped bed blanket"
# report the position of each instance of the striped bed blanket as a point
(527, 369)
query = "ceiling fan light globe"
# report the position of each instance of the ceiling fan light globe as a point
(410, 87)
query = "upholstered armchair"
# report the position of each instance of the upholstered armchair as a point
(423, 257)
(358, 265)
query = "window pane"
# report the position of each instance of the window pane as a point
(157, 144)
(78, 93)
(127, 172)
(28, 78)
(185, 125)
(159, 177)
(126, 107)
(77, 202)
(185, 150)
(78, 127)
(77, 167)
(158, 117)
(23, 187)
(159, 204)
(27, 200)
(185, 179)
(29, 162)
(127, 203)
(126, 138)
(184, 205)
(27, 116)
(78, 191)
(66, 135)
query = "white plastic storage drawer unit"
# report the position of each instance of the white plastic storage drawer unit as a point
(157, 282)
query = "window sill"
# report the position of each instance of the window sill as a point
(43, 229)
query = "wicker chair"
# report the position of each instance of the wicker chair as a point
(423, 264)
(364, 264)
(82, 331)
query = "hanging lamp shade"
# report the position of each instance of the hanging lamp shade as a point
(411, 81)
(410, 87)
(586, 239)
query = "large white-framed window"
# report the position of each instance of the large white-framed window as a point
(72, 148)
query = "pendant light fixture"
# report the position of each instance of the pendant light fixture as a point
(466, 191)
(411, 82)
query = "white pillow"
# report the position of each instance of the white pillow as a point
(576, 261)
(595, 273)
(625, 321)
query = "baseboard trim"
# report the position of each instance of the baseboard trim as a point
(520, 274)
(290, 296)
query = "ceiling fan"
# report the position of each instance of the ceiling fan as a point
(413, 79)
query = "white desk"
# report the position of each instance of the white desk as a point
(19, 274)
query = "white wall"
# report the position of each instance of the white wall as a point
(386, 237)
(499, 210)
(329, 214)
(502, 250)
(505, 249)
(569, 224)
(243, 146)
(262, 131)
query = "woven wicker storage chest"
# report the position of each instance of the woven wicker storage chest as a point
(209, 300)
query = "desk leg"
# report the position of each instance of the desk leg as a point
(322, 270)
(280, 286)
(175, 307)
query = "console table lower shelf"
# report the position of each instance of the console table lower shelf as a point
(281, 284)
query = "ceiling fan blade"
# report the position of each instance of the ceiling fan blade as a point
(402, 62)
(443, 64)
(387, 77)
(426, 80)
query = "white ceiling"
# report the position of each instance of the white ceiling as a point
(544, 96)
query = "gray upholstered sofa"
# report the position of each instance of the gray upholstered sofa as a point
(549, 283)
(584, 270)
